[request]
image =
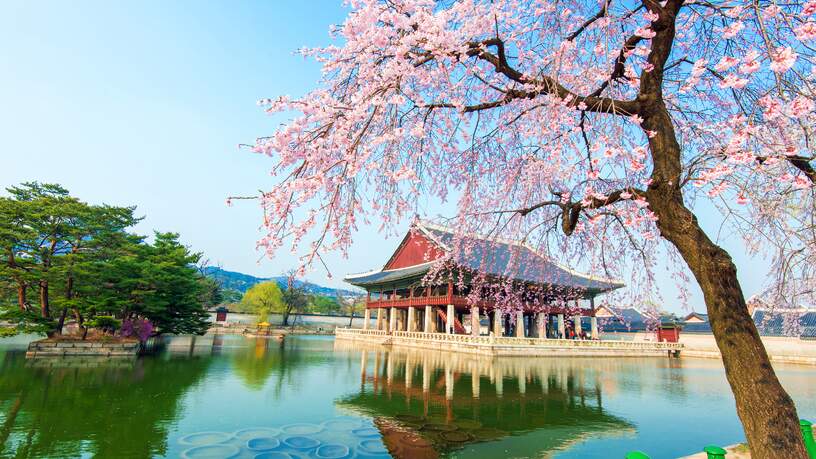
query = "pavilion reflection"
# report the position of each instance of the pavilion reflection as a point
(429, 403)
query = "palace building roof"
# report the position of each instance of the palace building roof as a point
(427, 244)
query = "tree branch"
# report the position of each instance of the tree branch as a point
(545, 84)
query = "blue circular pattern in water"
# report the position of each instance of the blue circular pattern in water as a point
(335, 438)
(211, 452)
(262, 443)
(334, 451)
(254, 432)
(204, 438)
(274, 455)
(301, 442)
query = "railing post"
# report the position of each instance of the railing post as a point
(807, 435)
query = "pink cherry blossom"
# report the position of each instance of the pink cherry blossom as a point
(733, 29)
(806, 31)
(733, 81)
(726, 63)
(783, 59)
(801, 106)
(645, 32)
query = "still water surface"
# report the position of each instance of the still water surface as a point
(314, 398)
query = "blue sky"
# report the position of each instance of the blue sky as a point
(143, 103)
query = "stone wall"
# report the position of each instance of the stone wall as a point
(780, 349)
(48, 348)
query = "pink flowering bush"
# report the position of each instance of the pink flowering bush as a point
(137, 328)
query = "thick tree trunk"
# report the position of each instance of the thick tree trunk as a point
(69, 294)
(80, 323)
(21, 295)
(61, 321)
(22, 286)
(44, 306)
(767, 412)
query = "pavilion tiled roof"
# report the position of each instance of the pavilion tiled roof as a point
(496, 258)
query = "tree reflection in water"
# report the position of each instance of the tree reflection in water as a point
(91, 407)
(261, 359)
(429, 403)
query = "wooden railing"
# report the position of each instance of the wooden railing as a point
(511, 341)
(458, 301)
(437, 300)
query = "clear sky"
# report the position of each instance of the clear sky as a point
(143, 103)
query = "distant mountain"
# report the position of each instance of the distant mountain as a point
(242, 282)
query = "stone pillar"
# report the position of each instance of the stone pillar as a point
(428, 319)
(577, 321)
(475, 326)
(411, 319)
(541, 325)
(392, 320)
(562, 331)
(379, 318)
(519, 324)
(450, 317)
(366, 318)
(594, 327)
(497, 323)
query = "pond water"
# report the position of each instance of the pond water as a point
(314, 398)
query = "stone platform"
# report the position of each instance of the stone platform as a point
(509, 346)
(78, 348)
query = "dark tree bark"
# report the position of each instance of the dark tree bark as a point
(21, 295)
(767, 412)
(69, 294)
(44, 305)
(61, 321)
(22, 285)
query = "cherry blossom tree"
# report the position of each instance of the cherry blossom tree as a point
(588, 129)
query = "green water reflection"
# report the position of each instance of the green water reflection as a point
(66, 409)
(366, 401)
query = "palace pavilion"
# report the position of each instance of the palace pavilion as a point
(403, 300)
